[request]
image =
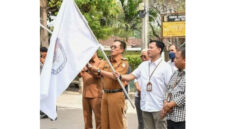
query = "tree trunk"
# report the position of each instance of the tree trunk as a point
(154, 32)
(44, 33)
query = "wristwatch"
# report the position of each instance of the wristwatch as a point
(99, 72)
(120, 77)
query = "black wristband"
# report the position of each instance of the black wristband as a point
(120, 77)
(99, 72)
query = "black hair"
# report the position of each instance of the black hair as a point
(43, 49)
(182, 50)
(122, 44)
(159, 44)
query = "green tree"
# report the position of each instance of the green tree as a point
(129, 23)
(155, 28)
(98, 13)
(53, 8)
(115, 17)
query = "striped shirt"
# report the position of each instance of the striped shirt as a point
(177, 94)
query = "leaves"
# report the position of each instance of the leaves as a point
(134, 60)
(118, 17)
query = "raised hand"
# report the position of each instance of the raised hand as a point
(116, 75)
(92, 68)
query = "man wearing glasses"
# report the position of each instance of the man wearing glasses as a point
(113, 99)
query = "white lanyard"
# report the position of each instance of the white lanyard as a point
(149, 84)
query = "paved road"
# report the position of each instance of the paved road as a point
(70, 114)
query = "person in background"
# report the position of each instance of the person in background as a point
(126, 84)
(43, 54)
(92, 94)
(174, 100)
(172, 51)
(144, 57)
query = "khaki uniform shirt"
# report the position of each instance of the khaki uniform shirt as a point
(120, 66)
(92, 84)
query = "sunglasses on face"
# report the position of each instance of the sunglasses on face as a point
(113, 47)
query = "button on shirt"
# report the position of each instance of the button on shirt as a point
(152, 101)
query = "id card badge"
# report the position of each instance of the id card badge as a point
(169, 97)
(149, 86)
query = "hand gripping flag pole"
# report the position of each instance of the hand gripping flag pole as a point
(101, 48)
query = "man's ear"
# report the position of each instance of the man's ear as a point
(122, 51)
(160, 50)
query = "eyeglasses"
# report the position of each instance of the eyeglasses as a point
(113, 47)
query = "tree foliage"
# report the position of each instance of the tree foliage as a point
(119, 17)
(53, 8)
(129, 23)
(99, 14)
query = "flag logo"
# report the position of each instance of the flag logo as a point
(66, 55)
(59, 59)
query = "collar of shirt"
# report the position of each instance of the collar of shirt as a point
(170, 62)
(181, 72)
(156, 62)
(91, 61)
(114, 60)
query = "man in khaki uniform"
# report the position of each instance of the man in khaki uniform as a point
(92, 95)
(113, 99)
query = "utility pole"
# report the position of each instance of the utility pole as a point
(145, 25)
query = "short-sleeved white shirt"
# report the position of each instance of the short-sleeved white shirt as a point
(172, 65)
(153, 101)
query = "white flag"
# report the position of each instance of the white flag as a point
(71, 47)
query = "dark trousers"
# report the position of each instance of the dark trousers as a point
(139, 113)
(175, 125)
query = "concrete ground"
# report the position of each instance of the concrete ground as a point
(70, 115)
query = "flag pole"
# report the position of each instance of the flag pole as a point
(121, 85)
(49, 31)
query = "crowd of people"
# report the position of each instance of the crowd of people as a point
(160, 88)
